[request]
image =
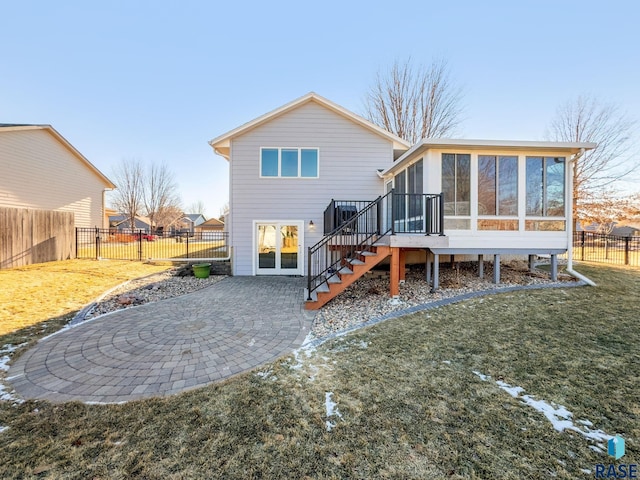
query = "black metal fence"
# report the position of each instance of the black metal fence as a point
(599, 247)
(139, 245)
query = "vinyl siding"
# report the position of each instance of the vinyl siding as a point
(37, 171)
(349, 156)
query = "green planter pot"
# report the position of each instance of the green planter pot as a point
(202, 270)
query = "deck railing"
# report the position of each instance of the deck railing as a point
(352, 226)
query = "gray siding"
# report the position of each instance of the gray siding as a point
(349, 156)
(37, 171)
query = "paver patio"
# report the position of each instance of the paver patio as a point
(166, 347)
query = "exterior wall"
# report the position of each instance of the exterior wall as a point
(349, 156)
(474, 238)
(41, 173)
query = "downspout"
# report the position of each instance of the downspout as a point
(570, 269)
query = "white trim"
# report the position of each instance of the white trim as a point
(254, 247)
(317, 149)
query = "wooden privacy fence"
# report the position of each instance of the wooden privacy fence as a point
(35, 236)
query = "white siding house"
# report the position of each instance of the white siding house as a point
(350, 151)
(439, 197)
(41, 170)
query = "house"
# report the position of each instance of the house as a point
(211, 225)
(42, 170)
(189, 222)
(317, 190)
(122, 223)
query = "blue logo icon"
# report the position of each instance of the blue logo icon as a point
(616, 447)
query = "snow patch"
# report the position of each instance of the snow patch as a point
(482, 377)
(448, 362)
(364, 344)
(2, 428)
(558, 415)
(331, 409)
(585, 470)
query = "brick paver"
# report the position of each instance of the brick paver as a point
(170, 346)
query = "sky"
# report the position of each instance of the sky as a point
(156, 80)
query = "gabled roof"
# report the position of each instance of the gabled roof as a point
(212, 221)
(444, 143)
(222, 143)
(11, 127)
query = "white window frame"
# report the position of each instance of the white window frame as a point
(299, 149)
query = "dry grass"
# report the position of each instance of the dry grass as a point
(37, 293)
(411, 406)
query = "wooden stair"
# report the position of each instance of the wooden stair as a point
(352, 270)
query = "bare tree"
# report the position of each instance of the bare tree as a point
(127, 198)
(585, 119)
(168, 216)
(415, 103)
(224, 211)
(160, 191)
(197, 207)
(606, 207)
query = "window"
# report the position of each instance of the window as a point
(497, 185)
(545, 186)
(289, 162)
(456, 183)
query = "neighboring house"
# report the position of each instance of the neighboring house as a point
(614, 229)
(211, 225)
(42, 170)
(189, 222)
(122, 223)
(313, 174)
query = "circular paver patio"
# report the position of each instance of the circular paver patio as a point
(170, 346)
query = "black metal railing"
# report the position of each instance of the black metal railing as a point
(352, 226)
(418, 213)
(602, 248)
(117, 244)
(353, 233)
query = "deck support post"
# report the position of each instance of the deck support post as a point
(427, 267)
(496, 268)
(436, 272)
(532, 262)
(481, 266)
(554, 267)
(403, 265)
(394, 286)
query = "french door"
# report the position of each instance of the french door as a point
(279, 248)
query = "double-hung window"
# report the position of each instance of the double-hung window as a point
(289, 162)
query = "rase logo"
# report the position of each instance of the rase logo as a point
(615, 448)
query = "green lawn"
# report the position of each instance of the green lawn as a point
(408, 404)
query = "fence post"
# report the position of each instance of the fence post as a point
(97, 243)
(140, 245)
(626, 250)
(187, 235)
(77, 242)
(582, 245)
(441, 213)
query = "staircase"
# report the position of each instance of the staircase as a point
(351, 269)
(345, 254)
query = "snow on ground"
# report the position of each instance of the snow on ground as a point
(7, 394)
(558, 415)
(331, 409)
(2, 429)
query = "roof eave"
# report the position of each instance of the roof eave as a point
(222, 143)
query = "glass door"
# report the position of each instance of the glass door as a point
(279, 248)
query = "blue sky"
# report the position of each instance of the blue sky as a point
(156, 80)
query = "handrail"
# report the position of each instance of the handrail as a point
(356, 234)
(354, 226)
